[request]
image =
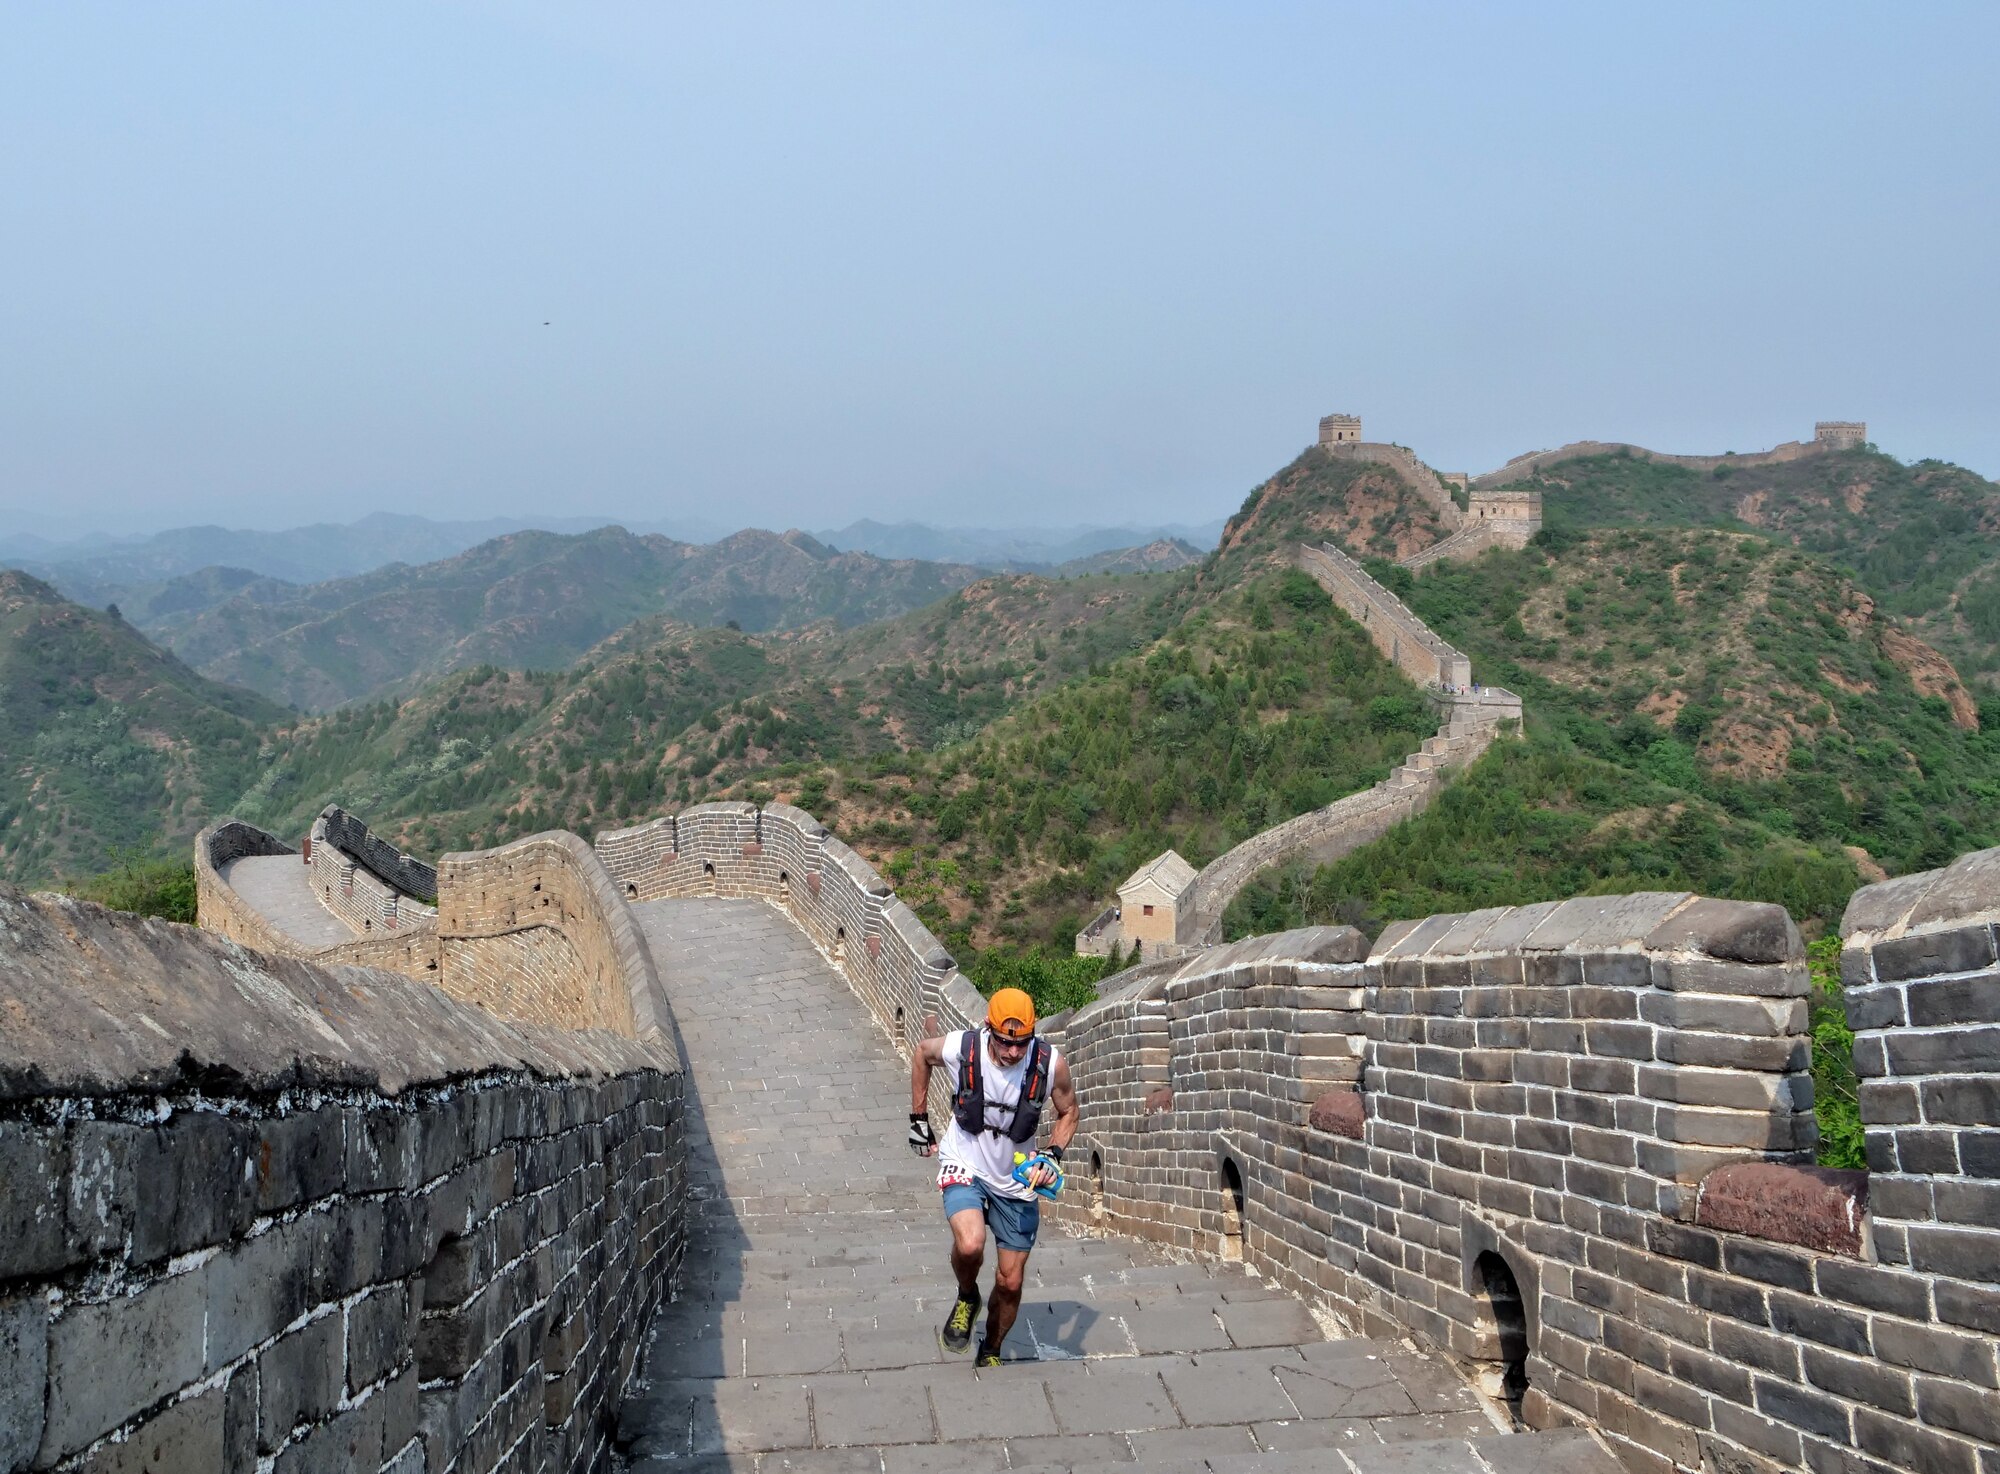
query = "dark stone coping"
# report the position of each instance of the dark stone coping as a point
(1969, 887)
(98, 1002)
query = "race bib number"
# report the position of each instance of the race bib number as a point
(953, 1174)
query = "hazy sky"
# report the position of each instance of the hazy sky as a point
(970, 263)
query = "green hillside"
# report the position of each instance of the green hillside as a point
(107, 744)
(664, 713)
(1922, 539)
(1705, 709)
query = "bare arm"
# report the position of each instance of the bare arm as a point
(1062, 1095)
(927, 1056)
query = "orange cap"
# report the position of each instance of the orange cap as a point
(1011, 1014)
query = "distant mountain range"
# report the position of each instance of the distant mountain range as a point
(529, 600)
(96, 569)
(1031, 548)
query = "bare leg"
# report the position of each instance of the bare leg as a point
(968, 1250)
(1008, 1278)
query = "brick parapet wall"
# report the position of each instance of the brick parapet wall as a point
(1574, 1091)
(1538, 460)
(220, 908)
(403, 873)
(369, 884)
(1404, 640)
(262, 1214)
(782, 855)
(1922, 981)
(538, 930)
(411, 950)
(1425, 482)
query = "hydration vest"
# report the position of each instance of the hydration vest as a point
(968, 1105)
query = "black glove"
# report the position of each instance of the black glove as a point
(922, 1140)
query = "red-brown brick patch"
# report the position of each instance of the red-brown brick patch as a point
(1818, 1208)
(1340, 1112)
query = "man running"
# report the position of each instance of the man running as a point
(1000, 1077)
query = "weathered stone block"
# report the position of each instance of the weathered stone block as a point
(189, 1435)
(24, 1365)
(1935, 953)
(299, 1380)
(109, 1361)
(1738, 931)
(1938, 1002)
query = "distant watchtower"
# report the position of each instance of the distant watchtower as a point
(1339, 429)
(1833, 434)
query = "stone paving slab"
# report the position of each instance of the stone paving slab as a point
(279, 888)
(804, 1337)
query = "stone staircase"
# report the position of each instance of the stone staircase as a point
(805, 1335)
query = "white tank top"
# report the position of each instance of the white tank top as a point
(989, 1156)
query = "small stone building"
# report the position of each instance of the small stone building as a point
(1833, 434)
(1339, 429)
(1509, 517)
(1150, 901)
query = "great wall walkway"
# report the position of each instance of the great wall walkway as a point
(280, 889)
(804, 1335)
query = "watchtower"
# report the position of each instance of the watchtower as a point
(1833, 434)
(1339, 429)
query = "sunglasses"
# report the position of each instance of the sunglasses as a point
(1006, 1035)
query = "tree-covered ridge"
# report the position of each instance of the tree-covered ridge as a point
(1923, 539)
(663, 714)
(107, 744)
(1259, 705)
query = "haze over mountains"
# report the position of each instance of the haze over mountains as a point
(1742, 683)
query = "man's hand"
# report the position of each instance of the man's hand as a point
(922, 1140)
(1041, 1172)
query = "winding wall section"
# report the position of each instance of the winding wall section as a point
(1471, 722)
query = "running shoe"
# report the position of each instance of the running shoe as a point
(957, 1333)
(987, 1357)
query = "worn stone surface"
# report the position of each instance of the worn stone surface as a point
(807, 1332)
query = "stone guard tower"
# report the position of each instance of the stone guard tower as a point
(1339, 429)
(1833, 434)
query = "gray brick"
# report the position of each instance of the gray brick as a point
(1861, 1380)
(34, 1238)
(1964, 1254)
(1803, 1408)
(108, 1362)
(377, 1336)
(24, 1366)
(299, 1379)
(1932, 954)
(1907, 1446)
(1973, 1411)
(187, 1436)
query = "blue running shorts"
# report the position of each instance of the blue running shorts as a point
(1012, 1222)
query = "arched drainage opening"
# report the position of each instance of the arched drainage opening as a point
(1232, 1211)
(1097, 1193)
(840, 946)
(708, 874)
(631, 891)
(785, 887)
(1506, 1375)
(902, 1031)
